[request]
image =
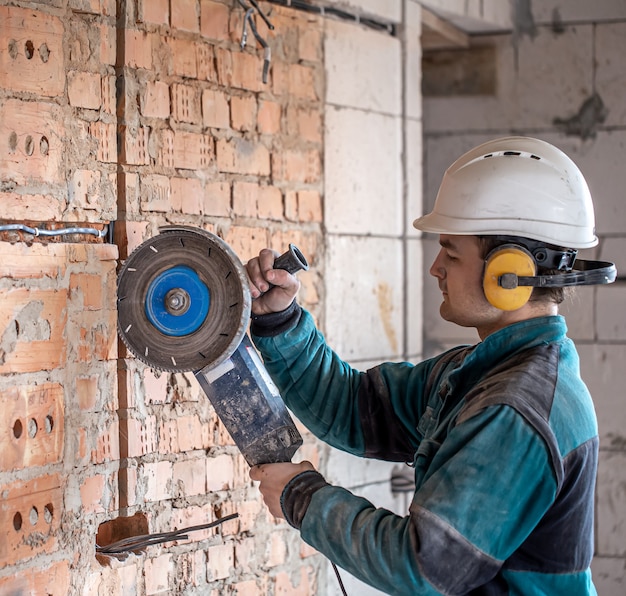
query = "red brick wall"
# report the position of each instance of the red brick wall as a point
(162, 120)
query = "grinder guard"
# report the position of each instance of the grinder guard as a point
(207, 334)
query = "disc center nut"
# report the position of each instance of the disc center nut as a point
(177, 301)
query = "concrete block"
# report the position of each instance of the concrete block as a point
(611, 322)
(601, 162)
(350, 471)
(415, 302)
(387, 10)
(609, 575)
(565, 68)
(610, 44)
(413, 61)
(363, 68)
(473, 15)
(363, 182)
(364, 280)
(414, 183)
(611, 496)
(602, 369)
(577, 11)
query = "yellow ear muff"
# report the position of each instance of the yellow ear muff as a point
(507, 259)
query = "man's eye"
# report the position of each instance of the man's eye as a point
(450, 257)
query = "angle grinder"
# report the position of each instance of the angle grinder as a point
(183, 305)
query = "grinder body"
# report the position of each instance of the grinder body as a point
(184, 305)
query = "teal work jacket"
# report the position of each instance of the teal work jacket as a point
(503, 439)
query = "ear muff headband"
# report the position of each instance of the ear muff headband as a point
(509, 276)
(509, 260)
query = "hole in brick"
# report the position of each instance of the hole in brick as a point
(32, 428)
(13, 49)
(33, 516)
(17, 521)
(44, 145)
(29, 49)
(29, 145)
(44, 52)
(118, 529)
(48, 510)
(49, 424)
(13, 142)
(18, 429)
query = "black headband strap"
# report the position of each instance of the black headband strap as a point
(586, 273)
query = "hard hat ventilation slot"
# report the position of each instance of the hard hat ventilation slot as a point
(512, 153)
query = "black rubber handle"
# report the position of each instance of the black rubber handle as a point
(291, 261)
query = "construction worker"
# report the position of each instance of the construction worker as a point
(502, 435)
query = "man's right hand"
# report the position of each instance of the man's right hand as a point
(272, 290)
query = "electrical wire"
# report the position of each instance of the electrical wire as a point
(59, 232)
(134, 543)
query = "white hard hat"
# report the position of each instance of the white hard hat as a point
(515, 186)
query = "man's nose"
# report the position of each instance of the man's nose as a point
(436, 269)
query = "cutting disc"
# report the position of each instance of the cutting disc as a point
(183, 300)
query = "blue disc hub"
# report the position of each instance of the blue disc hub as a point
(177, 301)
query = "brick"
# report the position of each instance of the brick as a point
(214, 19)
(157, 477)
(53, 580)
(128, 487)
(205, 60)
(155, 385)
(31, 207)
(97, 336)
(245, 198)
(186, 104)
(291, 205)
(216, 199)
(89, 287)
(219, 473)
(20, 261)
(243, 113)
(309, 206)
(241, 156)
(109, 97)
(192, 434)
(185, 15)
(85, 393)
(270, 203)
(183, 53)
(297, 166)
(192, 151)
(108, 44)
(302, 82)
(215, 110)
(84, 89)
(138, 437)
(240, 70)
(159, 574)
(32, 146)
(85, 188)
(138, 49)
(155, 101)
(268, 117)
(303, 583)
(221, 561)
(30, 515)
(309, 43)
(154, 11)
(305, 123)
(32, 431)
(32, 56)
(32, 323)
(189, 477)
(165, 143)
(99, 493)
(105, 135)
(107, 443)
(155, 193)
(246, 242)
(135, 145)
(187, 195)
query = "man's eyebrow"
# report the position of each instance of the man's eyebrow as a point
(445, 243)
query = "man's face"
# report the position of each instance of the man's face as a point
(459, 270)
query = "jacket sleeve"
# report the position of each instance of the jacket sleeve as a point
(491, 484)
(371, 413)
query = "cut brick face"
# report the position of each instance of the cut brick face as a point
(32, 55)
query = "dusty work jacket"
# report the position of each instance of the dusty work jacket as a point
(503, 439)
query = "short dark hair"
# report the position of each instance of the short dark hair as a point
(556, 295)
